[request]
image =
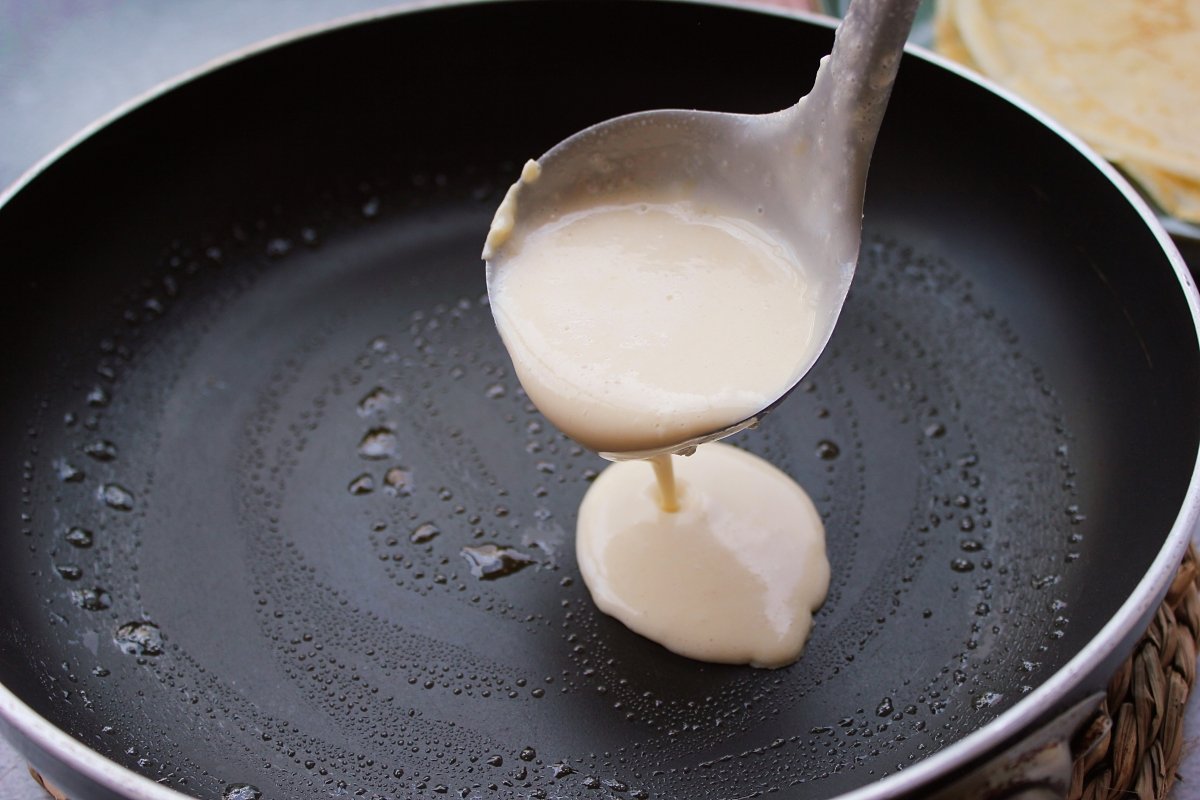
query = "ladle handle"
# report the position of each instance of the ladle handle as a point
(866, 53)
(846, 105)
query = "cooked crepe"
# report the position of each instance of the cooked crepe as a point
(1123, 74)
(1178, 196)
(946, 38)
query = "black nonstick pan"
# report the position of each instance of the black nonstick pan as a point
(280, 522)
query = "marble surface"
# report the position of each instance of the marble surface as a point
(64, 64)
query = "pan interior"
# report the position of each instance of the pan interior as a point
(281, 516)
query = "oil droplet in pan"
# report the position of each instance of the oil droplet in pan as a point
(489, 561)
(68, 472)
(374, 401)
(425, 532)
(79, 537)
(101, 450)
(69, 572)
(94, 599)
(827, 450)
(139, 639)
(398, 480)
(98, 397)
(363, 484)
(241, 791)
(377, 443)
(116, 497)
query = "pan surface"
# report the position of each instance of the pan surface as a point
(281, 522)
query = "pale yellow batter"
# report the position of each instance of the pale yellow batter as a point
(637, 327)
(733, 576)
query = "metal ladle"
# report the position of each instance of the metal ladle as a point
(802, 170)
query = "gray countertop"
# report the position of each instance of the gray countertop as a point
(63, 64)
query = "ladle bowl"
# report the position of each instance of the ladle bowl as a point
(800, 173)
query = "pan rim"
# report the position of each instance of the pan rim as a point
(1052, 695)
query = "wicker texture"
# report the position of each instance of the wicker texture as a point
(1132, 746)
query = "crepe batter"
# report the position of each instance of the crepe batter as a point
(732, 576)
(635, 327)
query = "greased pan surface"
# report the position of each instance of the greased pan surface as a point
(260, 431)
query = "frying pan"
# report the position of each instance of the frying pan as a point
(280, 522)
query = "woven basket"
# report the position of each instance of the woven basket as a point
(1132, 745)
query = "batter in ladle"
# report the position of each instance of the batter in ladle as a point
(635, 327)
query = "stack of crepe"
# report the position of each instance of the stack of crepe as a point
(1122, 74)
